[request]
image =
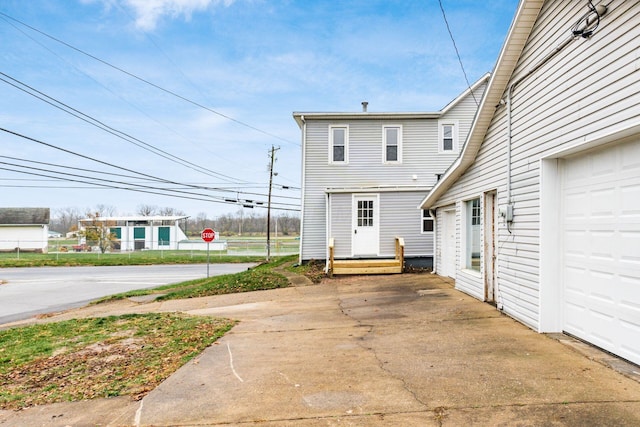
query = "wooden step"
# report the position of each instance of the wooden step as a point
(367, 266)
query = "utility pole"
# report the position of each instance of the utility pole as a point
(273, 159)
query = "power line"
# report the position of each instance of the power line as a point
(130, 74)
(188, 140)
(115, 132)
(444, 15)
(154, 178)
(148, 190)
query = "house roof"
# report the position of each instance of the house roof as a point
(521, 27)
(301, 116)
(136, 218)
(24, 216)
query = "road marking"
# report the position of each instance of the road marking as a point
(139, 414)
(231, 363)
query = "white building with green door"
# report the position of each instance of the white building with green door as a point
(141, 232)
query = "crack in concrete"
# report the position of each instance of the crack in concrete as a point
(370, 329)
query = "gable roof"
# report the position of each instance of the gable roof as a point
(521, 27)
(24, 216)
(300, 116)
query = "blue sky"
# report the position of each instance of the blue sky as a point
(249, 63)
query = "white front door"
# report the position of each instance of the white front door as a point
(365, 238)
(448, 243)
(601, 248)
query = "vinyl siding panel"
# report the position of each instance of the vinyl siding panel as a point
(341, 223)
(590, 89)
(399, 217)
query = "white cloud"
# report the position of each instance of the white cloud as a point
(149, 12)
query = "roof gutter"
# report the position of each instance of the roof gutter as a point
(521, 26)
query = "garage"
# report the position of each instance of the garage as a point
(600, 241)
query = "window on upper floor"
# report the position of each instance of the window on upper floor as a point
(392, 142)
(338, 144)
(447, 137)
(427, 222)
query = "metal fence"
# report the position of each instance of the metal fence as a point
(221, 247)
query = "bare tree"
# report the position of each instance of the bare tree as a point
(103, 210)
(147, 210)
(166, 211)
(64, 219)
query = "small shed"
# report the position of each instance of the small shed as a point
(24, 229)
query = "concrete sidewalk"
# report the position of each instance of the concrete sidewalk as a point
(404, 350)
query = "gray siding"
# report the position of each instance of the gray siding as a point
(365, 168)
(341, 224)
(398, 217)
(590, 89)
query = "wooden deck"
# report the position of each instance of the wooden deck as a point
(368, 266)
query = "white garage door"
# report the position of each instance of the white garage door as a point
(601, 248)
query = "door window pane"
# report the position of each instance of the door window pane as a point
(365, 213)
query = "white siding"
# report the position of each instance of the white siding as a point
(420, 159)
(25, 237)
(590, 88)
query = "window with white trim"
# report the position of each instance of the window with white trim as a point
(392, 144)
(427, 222)
(338, 144)
(447, 137)
(472, 241)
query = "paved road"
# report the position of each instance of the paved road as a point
(25, 292)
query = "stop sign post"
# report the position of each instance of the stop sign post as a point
(208, 235)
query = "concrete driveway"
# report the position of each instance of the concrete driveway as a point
(404, 350)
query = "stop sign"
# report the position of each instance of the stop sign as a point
(208, 235)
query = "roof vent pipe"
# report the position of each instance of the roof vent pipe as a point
(364, 106)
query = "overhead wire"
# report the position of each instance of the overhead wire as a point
(152, 177)
(99, 124)
(109, 129)
(69, 177)
(188, 140)
(148, 82)
(444, 16)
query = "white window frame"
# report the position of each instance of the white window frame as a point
(454, 136)
(469, 233)
(426, 216)
(399, 144)
(346, 144)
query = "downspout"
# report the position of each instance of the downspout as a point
(304, 159)
(327, 232)
(433, 214)
(509, 96)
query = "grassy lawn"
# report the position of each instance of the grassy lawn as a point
(117, 355)
(110, 259)
(259, 278)
(100, 357)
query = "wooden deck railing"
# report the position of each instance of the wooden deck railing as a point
(332, 243)
(400, 251)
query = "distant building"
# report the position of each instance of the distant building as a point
(24, 229)
(140, 232)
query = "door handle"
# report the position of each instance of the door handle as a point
(355, 231)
